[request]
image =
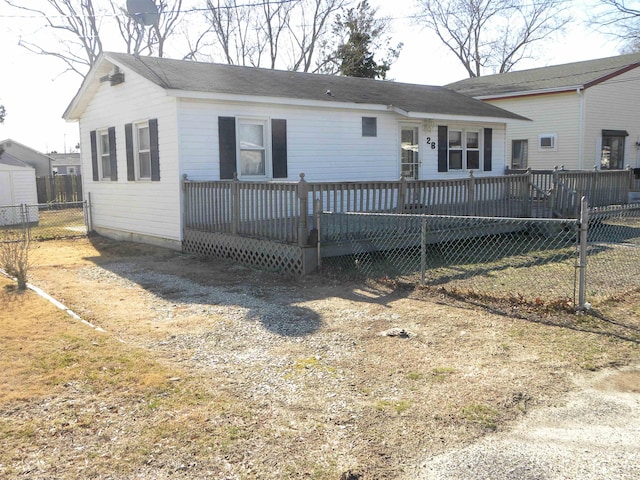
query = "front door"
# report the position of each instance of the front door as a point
(409, 152)
(612, 157)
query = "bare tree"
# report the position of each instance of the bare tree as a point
(492, 34)
(271, 33)
(621, 19)
(142, 40)
(76, 28)
(316, 18)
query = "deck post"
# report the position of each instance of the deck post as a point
(554, 190)
(402, 194)
(471, 194)
(303, 201)
(317, 216)
(528, 199)
(185, 202)
(235, 204)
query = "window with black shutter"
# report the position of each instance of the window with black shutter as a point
(243, 145)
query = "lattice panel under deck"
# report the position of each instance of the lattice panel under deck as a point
(262, 254)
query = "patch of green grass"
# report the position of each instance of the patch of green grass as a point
(309, 364)
(481, 415)
(440, 374)
(399, 406)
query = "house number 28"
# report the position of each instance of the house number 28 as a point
(431, 143)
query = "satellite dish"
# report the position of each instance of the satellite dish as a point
(144, 12)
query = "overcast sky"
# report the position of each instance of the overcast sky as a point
(35, 93)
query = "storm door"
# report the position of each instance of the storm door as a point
(409, 152)
(612, 156)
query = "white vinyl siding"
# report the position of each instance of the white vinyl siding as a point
(613, 105)
(117, 206)
(557, 113)
(323, 150)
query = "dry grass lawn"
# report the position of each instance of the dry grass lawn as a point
(210, 370)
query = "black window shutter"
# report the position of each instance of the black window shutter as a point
(112, 153)
(128, 138)
(279, 148)
(443, 148)
(227, 147)
(94, 156)
(488, 148)
(155, 150)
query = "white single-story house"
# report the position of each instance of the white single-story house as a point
(583, 114)
(18, 195)
(147, 122)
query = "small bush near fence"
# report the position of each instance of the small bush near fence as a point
(46, 221)
(534, 260)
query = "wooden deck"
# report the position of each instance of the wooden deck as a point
(288, 213)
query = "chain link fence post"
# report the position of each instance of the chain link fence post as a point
(423, 251)
(583, 245)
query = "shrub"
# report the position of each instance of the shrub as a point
(14, 255)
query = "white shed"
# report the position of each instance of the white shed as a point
(17, 188)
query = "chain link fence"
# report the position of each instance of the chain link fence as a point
(46, 221)
(535, 260)
(613, 252)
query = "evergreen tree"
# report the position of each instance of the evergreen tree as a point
(362, 35)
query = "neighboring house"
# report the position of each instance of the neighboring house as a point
(146, 122)
(583, 114)
(17, 187)
(65, 163)
(39, 161)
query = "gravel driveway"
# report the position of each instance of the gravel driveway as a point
(595, 435)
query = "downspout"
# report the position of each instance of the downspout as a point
(580, 92)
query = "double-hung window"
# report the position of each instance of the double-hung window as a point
(105, 155)
(104, 164)
(252, 148)
(455, 150)
(252, 144)
(143, 154)
(473, 150)
(143, 151)
(464, 149)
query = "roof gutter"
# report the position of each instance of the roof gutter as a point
(259, 99)
(454, 118)
(529, 93)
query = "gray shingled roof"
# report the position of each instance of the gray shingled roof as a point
(558, 77)
(8, 159)
(228, 79)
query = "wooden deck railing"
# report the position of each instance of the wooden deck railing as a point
(564, 188)
(283, 211)
(261, 210)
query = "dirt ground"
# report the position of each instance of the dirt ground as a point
(320, 377)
